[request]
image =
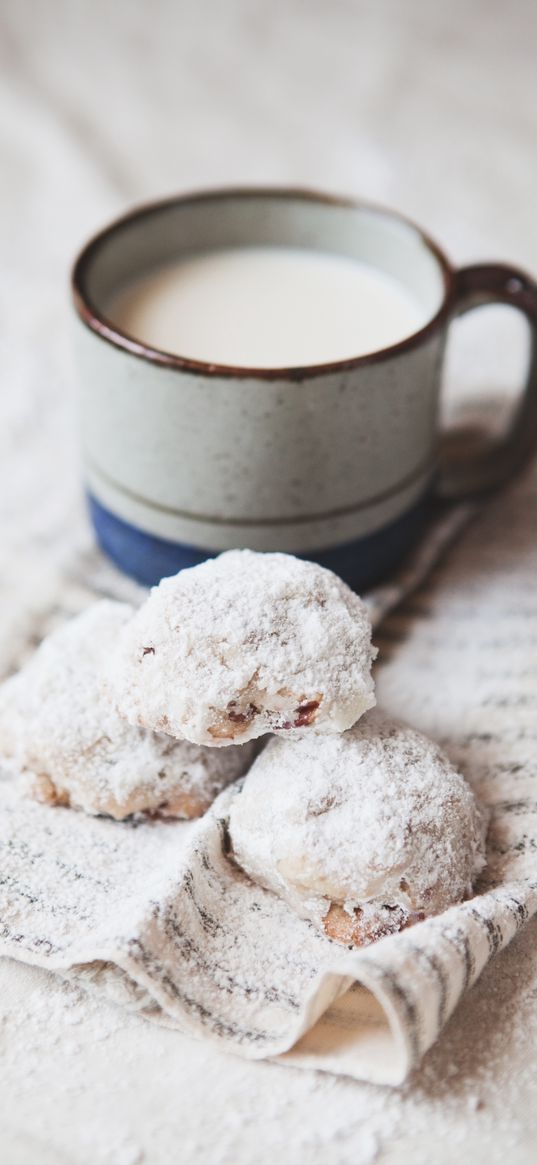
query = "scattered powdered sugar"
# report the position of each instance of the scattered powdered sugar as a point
(58, 724)
(376, 821)
(85, 1081)
(246, 644)
(120, 1091)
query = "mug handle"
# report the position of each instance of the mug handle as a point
(466, 471)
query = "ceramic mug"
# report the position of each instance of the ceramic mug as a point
(335, 462)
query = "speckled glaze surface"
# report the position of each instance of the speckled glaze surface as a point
(276, 465)
(302, 459)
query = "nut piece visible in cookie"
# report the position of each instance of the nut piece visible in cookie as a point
(363, 834)
(360, 927)
(58, 725)
(242, 645)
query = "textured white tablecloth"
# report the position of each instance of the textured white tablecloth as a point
(428, 107)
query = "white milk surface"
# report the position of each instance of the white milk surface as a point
(267, 307)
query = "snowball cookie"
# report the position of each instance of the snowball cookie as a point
(58, 725)
(363, 833)
(246, 644)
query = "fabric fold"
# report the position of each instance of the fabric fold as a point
(157, 917)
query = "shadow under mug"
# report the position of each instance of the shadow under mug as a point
(335, 462)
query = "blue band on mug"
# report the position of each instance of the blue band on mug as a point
(360, 563)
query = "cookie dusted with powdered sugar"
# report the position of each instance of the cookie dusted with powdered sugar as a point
(243, 645)
(58, 725)
(363, 834)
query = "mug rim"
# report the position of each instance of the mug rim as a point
(98, 323)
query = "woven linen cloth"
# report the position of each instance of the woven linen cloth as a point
(155, 916)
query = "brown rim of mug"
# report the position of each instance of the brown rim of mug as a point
(97, 322)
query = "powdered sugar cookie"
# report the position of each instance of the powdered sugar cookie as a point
(243, 645)
(364, 833)
(58, 725)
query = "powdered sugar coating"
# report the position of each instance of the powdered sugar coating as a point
(246, 644)
(57, 724)
(362, 833)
